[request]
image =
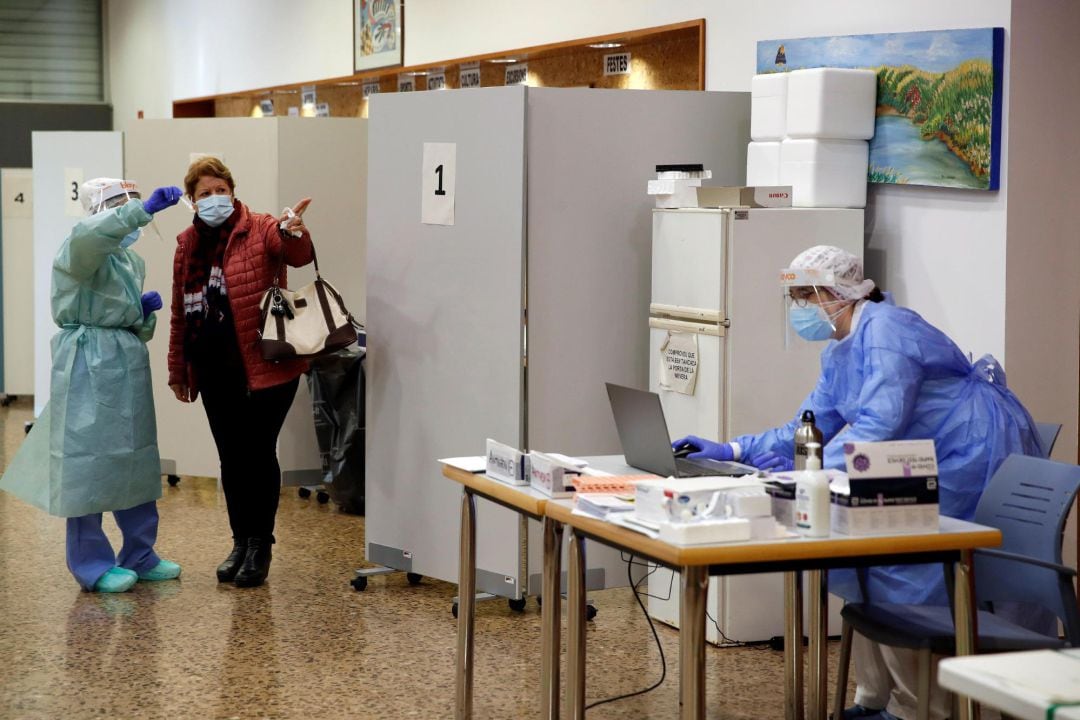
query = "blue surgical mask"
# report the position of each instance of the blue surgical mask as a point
(215, 209)
(130, 238)
(811, 322)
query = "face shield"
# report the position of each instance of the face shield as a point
(810, 308)
(102, 194)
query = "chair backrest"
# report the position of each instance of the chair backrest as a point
(1028, 499)
(1048, 435)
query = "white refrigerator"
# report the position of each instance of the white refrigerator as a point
(723, 364)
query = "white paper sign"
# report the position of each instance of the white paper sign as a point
(436, 80)
(437, 183)
(294, 111)
(322, 110)
(369, 88)
(73, 178)
(470, 76)
(679, 363)
(617, 64)
(267, 107)
(18, 201)
(517, 74)
(307, 95)
(405, 83)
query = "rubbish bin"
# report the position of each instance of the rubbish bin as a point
(336, 383)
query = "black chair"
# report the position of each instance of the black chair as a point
(1028, 499)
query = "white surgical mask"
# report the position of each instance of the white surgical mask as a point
(215, 209)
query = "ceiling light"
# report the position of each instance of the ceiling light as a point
(504, 60)
(417, 73)
(606, 45)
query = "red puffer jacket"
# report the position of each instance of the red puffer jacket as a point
(253, 254)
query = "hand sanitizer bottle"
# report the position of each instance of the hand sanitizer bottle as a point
(812, 496)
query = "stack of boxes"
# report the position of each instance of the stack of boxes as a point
(810, 129)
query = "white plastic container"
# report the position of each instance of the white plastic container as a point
(763, 164)
(825, 173)
(812, 507)
(768, 106)
(833, 103)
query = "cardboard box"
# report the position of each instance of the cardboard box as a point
(781, 489)
(689, 493)
(771, 196)
(892, 487)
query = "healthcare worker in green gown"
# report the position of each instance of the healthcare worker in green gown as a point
(94, 448)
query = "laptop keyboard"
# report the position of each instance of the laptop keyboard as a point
(692, 468)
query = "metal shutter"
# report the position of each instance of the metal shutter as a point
(51, 50)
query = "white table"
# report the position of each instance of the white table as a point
(992, 680)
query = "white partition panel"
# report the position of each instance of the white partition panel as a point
(17, 234)
(62, 161)
(275, 162)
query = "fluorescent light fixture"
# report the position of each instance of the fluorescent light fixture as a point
(417, 73)
(506, 61)
(606, 45)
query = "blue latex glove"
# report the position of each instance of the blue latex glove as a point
(163, 197)
(773, 462)
(151, 302)
(705, 449)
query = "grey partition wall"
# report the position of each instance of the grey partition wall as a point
(275, 162)
(17, 258)
(507, 323)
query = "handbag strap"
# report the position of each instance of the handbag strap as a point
(281, 264)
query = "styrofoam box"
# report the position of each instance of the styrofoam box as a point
(763, 164)
(832, 103)
(768, 106)
(825, 173)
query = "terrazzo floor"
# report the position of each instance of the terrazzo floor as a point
(305, 645)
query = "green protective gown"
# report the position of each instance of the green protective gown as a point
(94, 448)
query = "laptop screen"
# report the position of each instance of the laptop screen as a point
(643, 433)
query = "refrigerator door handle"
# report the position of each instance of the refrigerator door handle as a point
(688, 326)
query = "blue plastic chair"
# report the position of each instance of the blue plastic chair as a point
(1048, 435)
(1028, 499)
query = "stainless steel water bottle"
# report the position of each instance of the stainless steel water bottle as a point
(805, 433)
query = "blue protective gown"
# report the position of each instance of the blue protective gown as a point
(94, 448)
(896, 377)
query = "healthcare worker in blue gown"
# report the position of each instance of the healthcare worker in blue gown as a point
(94, 448)
(887, 374)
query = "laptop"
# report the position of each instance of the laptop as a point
(643, 432)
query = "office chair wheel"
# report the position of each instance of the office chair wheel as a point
(174, 480)
(453, 610)
(303, 492)
(516, 605)
(7, 400)
(590, 611)
(414, 578)
(322, 497)
(359, 583)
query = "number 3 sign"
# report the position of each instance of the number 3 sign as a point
(437, 183)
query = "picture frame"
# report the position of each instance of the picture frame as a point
(378, 34)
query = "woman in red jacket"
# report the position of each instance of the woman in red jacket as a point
(224, 263)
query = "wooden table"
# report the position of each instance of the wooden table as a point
(528, 502)
(992, 679)
(954, 543)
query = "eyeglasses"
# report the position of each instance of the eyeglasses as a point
(801, 296)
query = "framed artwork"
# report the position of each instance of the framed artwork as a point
(938, 104)
(377, 34)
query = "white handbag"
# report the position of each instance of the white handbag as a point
(304, 323)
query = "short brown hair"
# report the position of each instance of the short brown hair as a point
(207, 166)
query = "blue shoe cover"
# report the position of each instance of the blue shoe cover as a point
(127, 571)
(114, 581)
(164, 570)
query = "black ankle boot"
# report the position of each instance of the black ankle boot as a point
(227, 570)
(256, 563)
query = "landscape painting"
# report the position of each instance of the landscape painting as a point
(938, 104)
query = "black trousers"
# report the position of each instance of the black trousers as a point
(245, 426)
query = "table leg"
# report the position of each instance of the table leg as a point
(694, 588)
(466, 606)
(793, 656)
(818, 666)
(575, 631)
(551, 616)
(965, 622)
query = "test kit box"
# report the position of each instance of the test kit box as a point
(781, 490)
(651, 496)
(766, 196)
(892, 487)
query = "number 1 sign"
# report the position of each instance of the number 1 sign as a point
(437, 183)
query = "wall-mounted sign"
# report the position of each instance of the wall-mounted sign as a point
(307, 95)
(294, 111)
(517, 74)
(18, 201)
(470, 75)
(438, 183)
(369, 88)
(73, 179)
(405, 83)
(322, 110)
(436, 79)
(617, 64)
(267, 107)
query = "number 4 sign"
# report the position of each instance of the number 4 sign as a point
(437, 183)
